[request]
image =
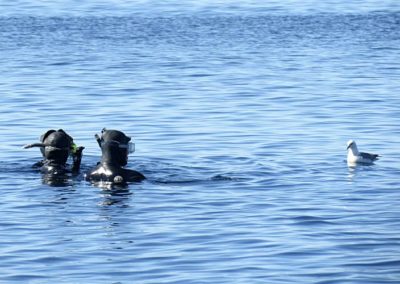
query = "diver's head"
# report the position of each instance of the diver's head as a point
(57, 146)
(115, 146)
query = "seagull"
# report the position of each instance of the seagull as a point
(356, 157)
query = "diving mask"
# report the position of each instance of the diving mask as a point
(130, 147)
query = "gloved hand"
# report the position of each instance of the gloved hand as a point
(76, 152)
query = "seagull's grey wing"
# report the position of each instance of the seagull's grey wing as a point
(369, 156)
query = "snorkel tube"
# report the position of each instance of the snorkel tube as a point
(27, 146)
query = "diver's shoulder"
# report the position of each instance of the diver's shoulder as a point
(132, 175)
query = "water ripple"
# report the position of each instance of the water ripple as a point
(240, 115)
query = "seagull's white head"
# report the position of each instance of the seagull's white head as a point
(351, 144)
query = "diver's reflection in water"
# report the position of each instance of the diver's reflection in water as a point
(113, 208)
(57, 180)
(63, 189)
(114, 194)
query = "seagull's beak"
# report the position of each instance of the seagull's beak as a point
(349, 146)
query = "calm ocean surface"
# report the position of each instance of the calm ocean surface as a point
(240, 112)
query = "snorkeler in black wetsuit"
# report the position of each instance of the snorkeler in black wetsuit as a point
(56, 147)
(115, 147)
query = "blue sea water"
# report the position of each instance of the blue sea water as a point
(240, 111)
